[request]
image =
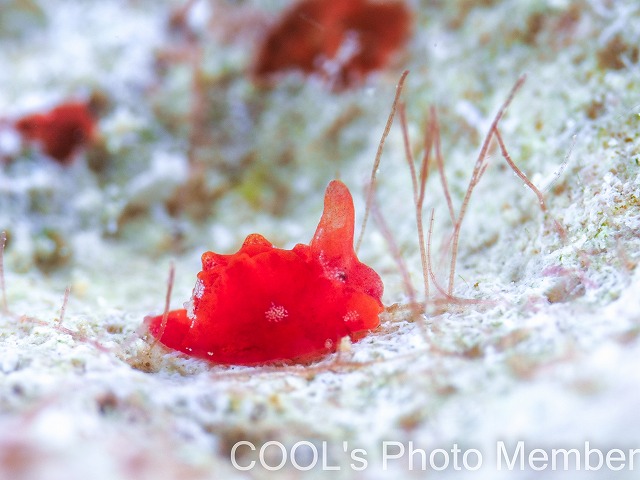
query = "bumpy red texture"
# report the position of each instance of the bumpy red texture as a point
(342, 40)
(60, 132)
(264, 303)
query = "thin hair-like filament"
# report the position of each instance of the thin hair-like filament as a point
(376, 163)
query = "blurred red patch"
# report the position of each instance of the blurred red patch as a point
(61, 132)
(341, 40)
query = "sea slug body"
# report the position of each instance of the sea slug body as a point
(263, 303)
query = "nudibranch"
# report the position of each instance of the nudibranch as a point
(342, 40)
(264, 303)
(61, 131)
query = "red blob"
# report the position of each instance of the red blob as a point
(61, 132)
(343, 40)
(264, 303)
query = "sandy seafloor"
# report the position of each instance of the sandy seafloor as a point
(549, 356)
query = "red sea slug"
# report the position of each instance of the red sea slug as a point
(264, 303)
(342, 40)
(61, 131)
